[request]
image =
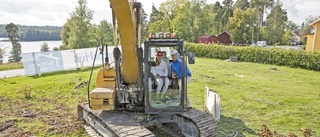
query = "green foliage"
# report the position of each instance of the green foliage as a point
(276, 23)
(34, 33)
(78, 32)
(105, 30)
(290, 58)
(44, 47)
(287, 37)
(241, 4)
(241, 25)
(55, 49)
(13, 34)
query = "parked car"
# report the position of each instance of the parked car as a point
(261, 43)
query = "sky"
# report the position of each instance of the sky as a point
(56, 12)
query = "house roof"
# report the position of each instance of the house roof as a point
(205, 36)
(314, 23)
(296, 33)
(224, 32)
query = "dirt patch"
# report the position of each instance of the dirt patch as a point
(57, 120)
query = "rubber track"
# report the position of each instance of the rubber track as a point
(206, 124)
(118, 123)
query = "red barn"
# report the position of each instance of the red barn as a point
(207, 39)
(224, 38)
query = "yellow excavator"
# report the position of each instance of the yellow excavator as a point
(124, 102)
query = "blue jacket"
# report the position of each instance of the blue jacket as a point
(176, 68)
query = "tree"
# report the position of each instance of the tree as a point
(105, 30)
(287, 37)
(241, 25)
(227, 6)
(55, 49)
(276, 20)
(217, 8)
(13, 34)
(241, 4)
(44, 47)
(290, 25)
(75, 33)
(261, 6)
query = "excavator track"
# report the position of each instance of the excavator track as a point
(191, 123)
(112, 123)
(206, 125)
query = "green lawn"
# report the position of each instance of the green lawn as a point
(285, 99)
(10, 66)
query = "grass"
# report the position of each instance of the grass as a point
(285, 99)
(43, 106)
(10, 66)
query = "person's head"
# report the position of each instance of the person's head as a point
(158, 57)
(174, 54)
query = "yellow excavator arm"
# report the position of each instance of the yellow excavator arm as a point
(126, 20)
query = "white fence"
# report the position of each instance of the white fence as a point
(39, 62)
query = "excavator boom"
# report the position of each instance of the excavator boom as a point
(126, 20)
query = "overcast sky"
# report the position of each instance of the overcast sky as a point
(55, 12)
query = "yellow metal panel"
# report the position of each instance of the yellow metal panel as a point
(95, 102)
(101, 81)
(108, 107)
(103, 93)
(123, 10)
(309, 42)
(317, 37)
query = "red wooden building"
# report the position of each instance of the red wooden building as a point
(224, 38)
(207, 39)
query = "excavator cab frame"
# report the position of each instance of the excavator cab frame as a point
(173, 44)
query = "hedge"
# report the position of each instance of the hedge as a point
(275, 56)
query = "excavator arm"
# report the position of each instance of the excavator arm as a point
(125, 15)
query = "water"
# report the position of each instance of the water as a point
(27, 47)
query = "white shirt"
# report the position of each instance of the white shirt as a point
(161, 69)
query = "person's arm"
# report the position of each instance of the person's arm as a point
(165, 69)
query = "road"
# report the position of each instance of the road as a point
(11, 73)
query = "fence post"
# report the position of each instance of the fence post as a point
(39, 71)
(35, 63)
(76, 58)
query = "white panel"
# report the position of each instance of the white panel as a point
(212, 102)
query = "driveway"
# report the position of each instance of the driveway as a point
(11, 73)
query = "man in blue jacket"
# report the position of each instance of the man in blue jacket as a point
(176, 68)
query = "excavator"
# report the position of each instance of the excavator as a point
(123, 102)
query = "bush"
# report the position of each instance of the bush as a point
(290, 58)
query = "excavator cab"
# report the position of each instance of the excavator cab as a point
(170, 100)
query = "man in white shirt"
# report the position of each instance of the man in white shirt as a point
(160, 71)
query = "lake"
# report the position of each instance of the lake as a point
(27, 47)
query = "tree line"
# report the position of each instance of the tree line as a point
(34, 33)
(246, 21)
(243, 19)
